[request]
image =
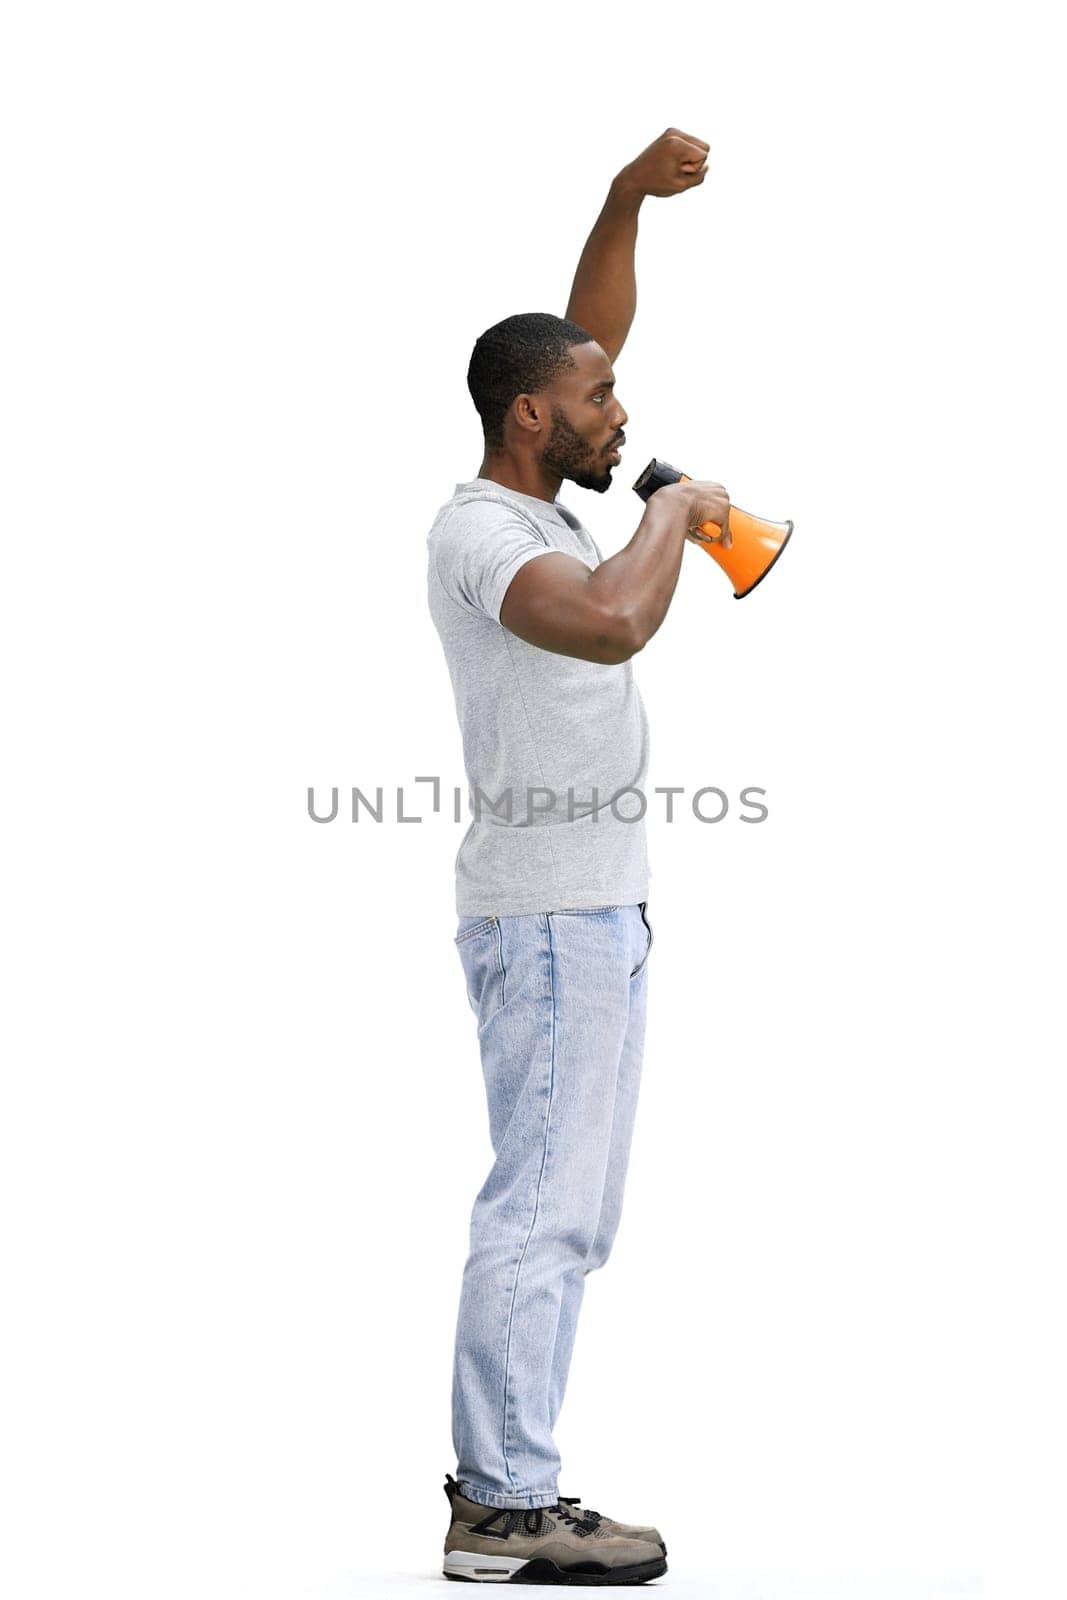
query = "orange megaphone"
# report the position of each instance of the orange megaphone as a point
(756, 544)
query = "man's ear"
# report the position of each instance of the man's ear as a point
(530, 412)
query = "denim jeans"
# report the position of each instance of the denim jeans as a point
(560, 1002)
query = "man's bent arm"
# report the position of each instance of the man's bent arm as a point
(607, 615)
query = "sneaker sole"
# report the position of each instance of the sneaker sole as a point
(462, 1567)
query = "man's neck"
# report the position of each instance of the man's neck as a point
(525, 477)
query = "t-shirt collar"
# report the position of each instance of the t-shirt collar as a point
(489, 484)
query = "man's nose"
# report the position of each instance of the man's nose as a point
(621, 417)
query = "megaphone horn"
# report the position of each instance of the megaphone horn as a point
(755, 544)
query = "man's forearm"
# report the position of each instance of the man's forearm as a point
(636, 586)
(603, 296)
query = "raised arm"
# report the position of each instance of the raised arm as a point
(556, 602)
(604, 293)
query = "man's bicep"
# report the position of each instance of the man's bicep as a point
(549, 603)
(479, 553)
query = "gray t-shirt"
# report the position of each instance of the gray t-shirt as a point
(556, 739)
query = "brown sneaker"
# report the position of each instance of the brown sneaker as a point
(542, 1544)
(624, 1530)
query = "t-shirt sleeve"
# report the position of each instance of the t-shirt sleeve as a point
(596, 547)
(478, 553)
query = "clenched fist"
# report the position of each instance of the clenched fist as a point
(673, 162)
(708, 502)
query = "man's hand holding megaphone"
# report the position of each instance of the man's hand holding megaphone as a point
(745, 547)
(709, 502)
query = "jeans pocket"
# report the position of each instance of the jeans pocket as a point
(477, 925)
(584, 911)
(643, 908)
(481, 954)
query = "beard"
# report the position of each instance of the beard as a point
(568, 454)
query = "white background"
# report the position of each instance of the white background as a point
(249, 249)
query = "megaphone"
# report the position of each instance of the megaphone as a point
(756, 544)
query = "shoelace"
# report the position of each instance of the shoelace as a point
(586, 1523)
(575, 1500)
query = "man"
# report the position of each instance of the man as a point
(552, 879)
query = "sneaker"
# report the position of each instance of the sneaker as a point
(540, 1544)
(624, 1530)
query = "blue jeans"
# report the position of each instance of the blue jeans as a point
(560, 1002)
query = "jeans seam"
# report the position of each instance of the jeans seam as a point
(584, 911)
(537, 1197)
(500, 962)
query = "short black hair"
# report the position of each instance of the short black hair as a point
(520, 355)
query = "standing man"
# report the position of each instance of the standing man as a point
(552, 879)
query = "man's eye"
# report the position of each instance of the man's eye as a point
(598, 397)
